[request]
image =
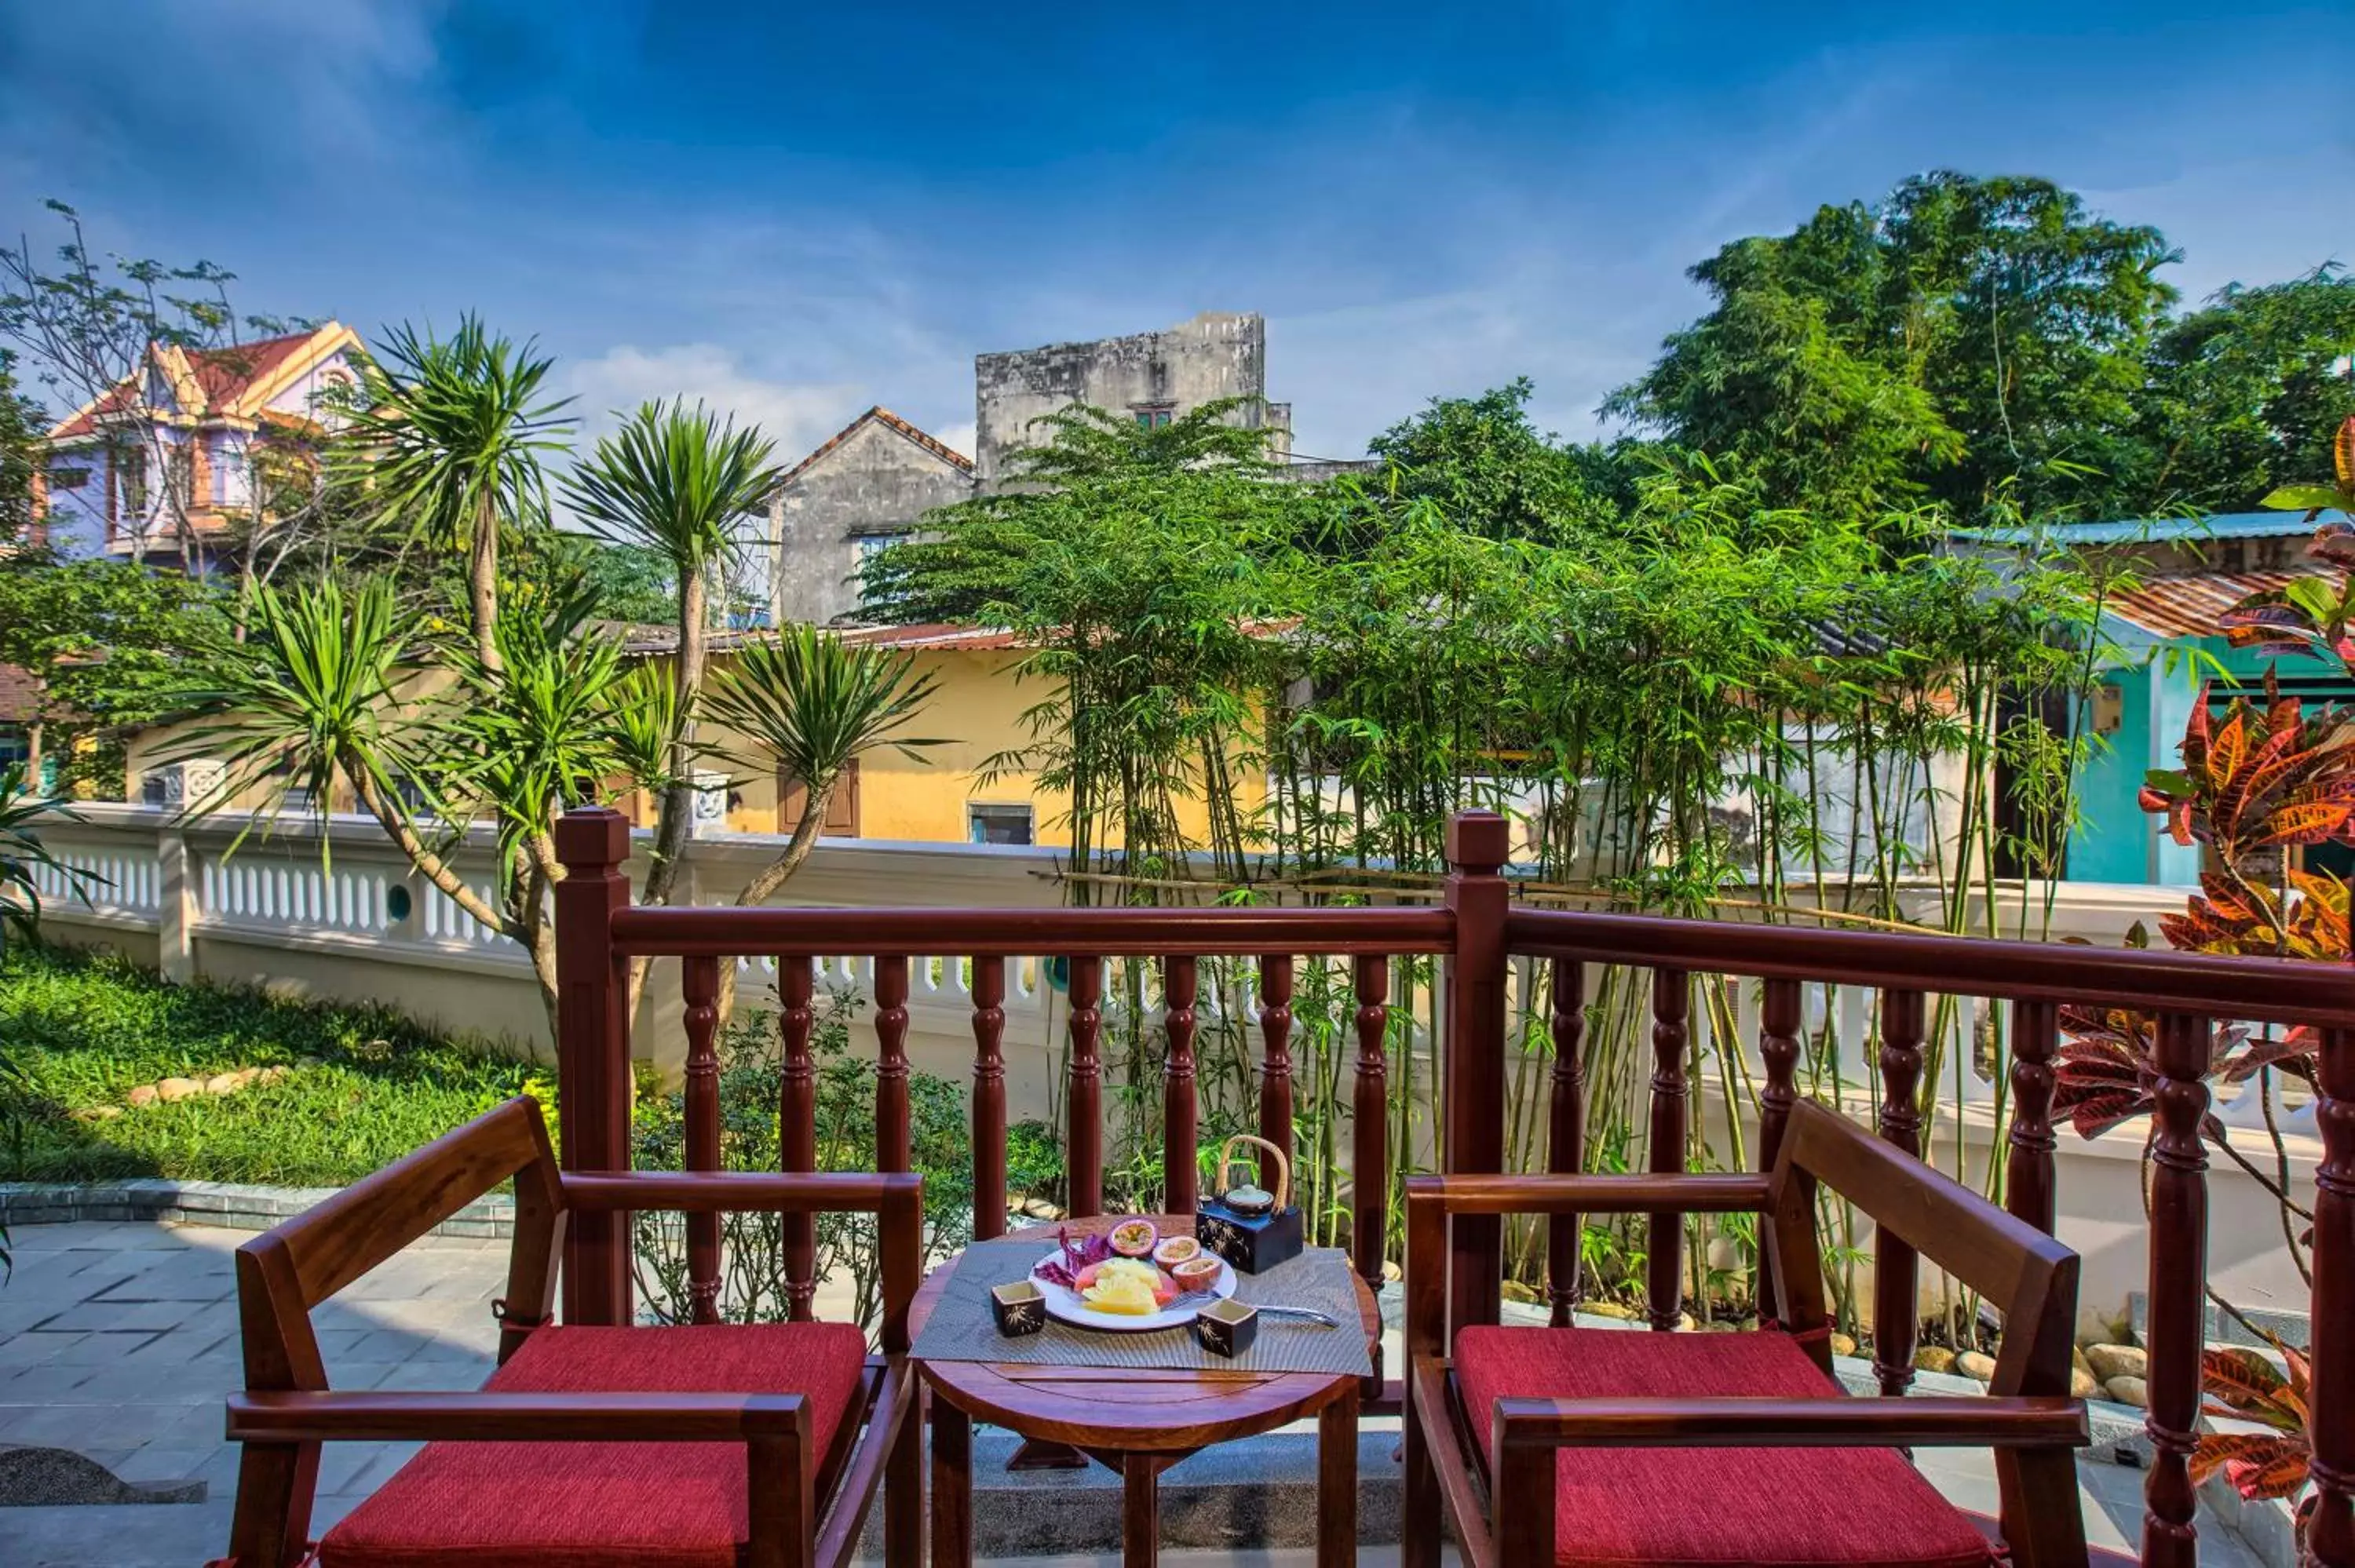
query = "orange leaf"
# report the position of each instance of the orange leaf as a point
(2343, 454)
(2227, 751)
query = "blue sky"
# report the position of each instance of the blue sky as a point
(796, 211)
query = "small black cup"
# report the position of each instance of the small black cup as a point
(1020, 1308)
(1227, 1328)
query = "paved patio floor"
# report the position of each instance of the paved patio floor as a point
(120, 1340)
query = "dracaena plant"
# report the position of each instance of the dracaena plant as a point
(2241, 1384)
(2269, 779)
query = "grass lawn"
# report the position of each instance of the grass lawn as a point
(364, 1084)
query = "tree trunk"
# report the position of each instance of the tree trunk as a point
(679, 799)
(437, 871)
(483, 586)
(776, 874)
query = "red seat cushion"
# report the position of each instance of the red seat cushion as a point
(1790, 1506)
(574, 1505)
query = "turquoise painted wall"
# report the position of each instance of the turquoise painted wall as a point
(2115, 840)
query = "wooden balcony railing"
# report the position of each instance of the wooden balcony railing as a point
(1480, 937)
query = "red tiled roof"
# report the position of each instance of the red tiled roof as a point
(20, 695)
(2190, 604)
(883, 416)
(223, 376)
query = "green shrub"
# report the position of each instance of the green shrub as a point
(364, 1084)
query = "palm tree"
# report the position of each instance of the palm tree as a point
(448, 439)
(679, 481)
(314, 697)
(806, 706)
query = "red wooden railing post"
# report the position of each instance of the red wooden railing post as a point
(700, 990)
(1896, 1295)
(2178, 1269)
(1779, 1048)
(592, 1053)
(1370, 1172)
(1478, 844)
(2027, 1189)
(797, 1128)
(988, 1098)
(1276, 1069)
(1180, 990)
(1566, 1135)
(2330, 1420)
(894, 1140)
(1664, 1262)
(1084, 1092)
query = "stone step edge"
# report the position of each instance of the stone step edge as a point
(228, 1205)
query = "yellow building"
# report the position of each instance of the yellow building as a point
(940, 795)
(937, 796)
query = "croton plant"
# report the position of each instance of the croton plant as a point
(2257, 783)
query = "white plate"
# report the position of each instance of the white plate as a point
(1063, 1303)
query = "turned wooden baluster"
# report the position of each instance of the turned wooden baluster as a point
(2330, 1539)
(700, 988)
(1084, 1089)
(1180, 990)
(1370, 1171)
(2028, 1189)
(797, 1128)
(2179, 1266)
(1566, 1134)
(894, 1141)
(1896, 1311)
(1779, 1048)
(988, 1098)
(1275, 1072)
(1663, 1269)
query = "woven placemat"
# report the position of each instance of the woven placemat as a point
(961, 1328)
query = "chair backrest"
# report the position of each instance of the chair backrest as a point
(291, 1268)
(2027, 1274)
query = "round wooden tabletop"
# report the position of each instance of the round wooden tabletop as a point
(1129, 1409)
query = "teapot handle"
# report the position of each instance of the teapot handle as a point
(1283, 1166)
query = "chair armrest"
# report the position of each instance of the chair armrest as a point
(363, 1415)
(1700, 1194)
(734, 1192)
(1966, 1422)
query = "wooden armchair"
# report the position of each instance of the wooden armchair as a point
(1528, 1438)
(658, 1446)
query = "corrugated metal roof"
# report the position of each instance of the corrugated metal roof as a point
(2160, 530)
(2190, 604)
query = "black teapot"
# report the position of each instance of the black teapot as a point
(1249, 1227)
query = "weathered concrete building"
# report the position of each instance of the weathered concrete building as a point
(1153, 376)
(859, 492)
(870, 485)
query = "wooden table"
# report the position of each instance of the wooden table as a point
(1136, 1422)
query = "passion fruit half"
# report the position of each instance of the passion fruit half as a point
(1196, 1273)
(1133, 1239)
(1175, 1250)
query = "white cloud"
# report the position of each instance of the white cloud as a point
(797, 416)
(959, 438)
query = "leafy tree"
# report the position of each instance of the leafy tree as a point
(2243, 392)
(105, 643)
(20, 458)
(1486, 466)
(1975, 341)
(447, 442)
(966, 564)
(632, 583)
(678, 483)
